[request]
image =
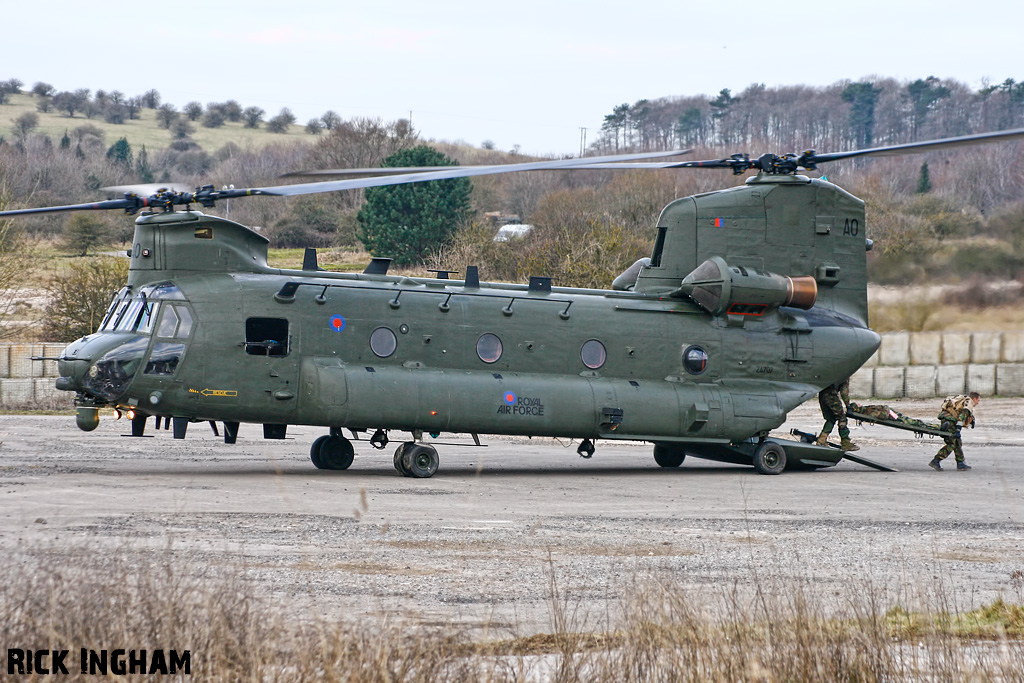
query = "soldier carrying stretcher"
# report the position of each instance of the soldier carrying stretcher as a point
(956, 411)
(833, 400)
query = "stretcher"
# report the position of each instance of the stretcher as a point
(919, 427)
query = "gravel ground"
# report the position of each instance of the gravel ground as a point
(481, 541)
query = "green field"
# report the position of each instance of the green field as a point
(145, 130)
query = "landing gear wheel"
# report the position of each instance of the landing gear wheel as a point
(314, 452)
(668, 456)
(770, 458)
(398, 458)
(419, 461)
(336, 453)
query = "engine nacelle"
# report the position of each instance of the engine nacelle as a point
(738, 290)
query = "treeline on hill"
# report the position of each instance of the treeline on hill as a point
(114, 107)
(844, 115)
(953, 214)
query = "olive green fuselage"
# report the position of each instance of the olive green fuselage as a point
(272, 346)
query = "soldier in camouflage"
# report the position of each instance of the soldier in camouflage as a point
(833, 401)
(956, 411)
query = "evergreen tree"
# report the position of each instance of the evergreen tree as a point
(121, 153)
(923, 94)
(408, 222)
(142, 167)
(924, 181)
(862, 98)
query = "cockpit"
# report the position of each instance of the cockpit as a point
(102, 365)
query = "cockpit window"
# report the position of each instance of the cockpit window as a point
(162, 290)
(137, 317)
(266, 336)
(117, 306)
(127, 314)
(164, 358)
(146, 317)
(185, 328)
(175, 322)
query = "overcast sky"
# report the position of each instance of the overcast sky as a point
(524, 72)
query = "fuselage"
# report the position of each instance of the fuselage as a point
(204, 339)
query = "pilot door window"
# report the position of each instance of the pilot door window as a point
(175, 323)
(266, 336)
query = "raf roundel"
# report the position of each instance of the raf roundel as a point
(337, 323)
(509, 398)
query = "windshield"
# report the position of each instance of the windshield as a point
(138, 316)
(117, 306)
(127, 314)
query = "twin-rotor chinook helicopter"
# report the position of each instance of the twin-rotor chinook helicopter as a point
(753, 300)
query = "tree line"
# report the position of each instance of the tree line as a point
(844, 115)
(115, 107)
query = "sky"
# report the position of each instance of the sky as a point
(528, 73)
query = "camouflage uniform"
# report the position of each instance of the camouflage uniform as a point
(833, 400)
(951, 419)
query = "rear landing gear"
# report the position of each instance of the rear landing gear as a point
(769, 458)
(668, 456)
(416, 460)
(332, 452)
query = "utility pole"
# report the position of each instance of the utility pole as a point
(583, 140)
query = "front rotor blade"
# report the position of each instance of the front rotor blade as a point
(94, 206)
(453, 172)
(919, 147)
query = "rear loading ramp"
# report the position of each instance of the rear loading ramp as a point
(806, 438)
(798, 453)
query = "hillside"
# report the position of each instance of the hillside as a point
(145, 130)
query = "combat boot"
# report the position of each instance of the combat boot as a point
(848, 445)
(822, 439)
(963, 466)
(935, 464)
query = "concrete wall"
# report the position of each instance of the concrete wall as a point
(907, 365)
(930, 364)
(26, 383)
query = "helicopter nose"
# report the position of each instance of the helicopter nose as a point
(868, 342)
(101, 366)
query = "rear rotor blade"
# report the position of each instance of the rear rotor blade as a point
(381, 170)
(918, 147)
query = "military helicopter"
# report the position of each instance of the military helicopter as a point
(753, 300)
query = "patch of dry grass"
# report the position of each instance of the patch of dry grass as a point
(778, 632)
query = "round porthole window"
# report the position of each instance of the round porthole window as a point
(488, 348)
(695, 360)
(383, 342)
(593, 354)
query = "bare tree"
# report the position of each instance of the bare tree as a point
(151, 99)
(16, 263)
(331, 120)
(41, 89)
(253, 116)
(193, 110)
(166, 114)
(25, 124)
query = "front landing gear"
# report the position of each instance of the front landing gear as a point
(416, 460)
(332, 452)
